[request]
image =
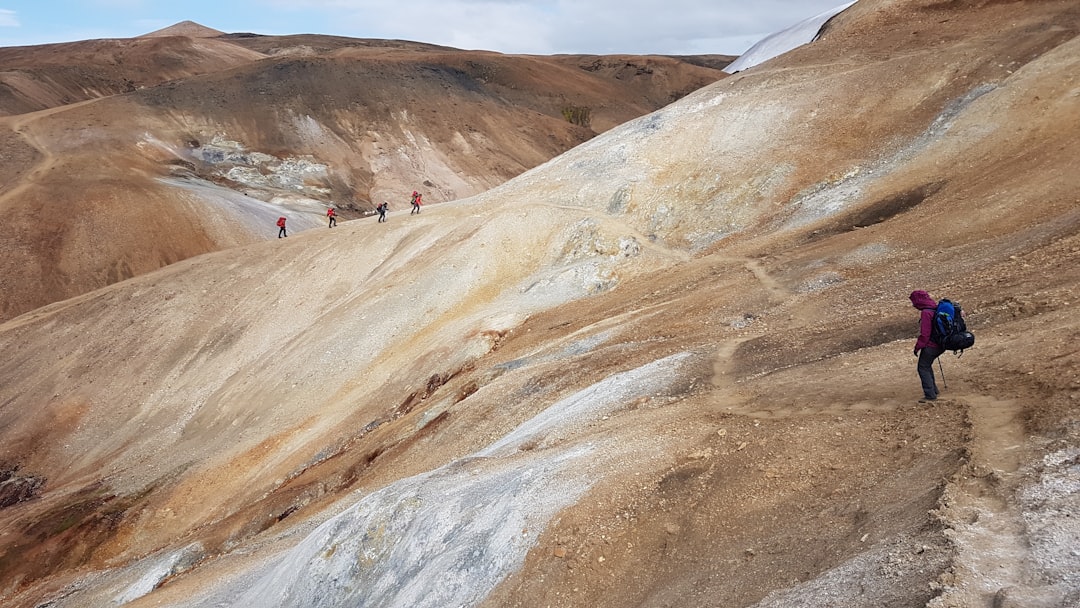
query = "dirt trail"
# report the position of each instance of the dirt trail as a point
(777, 291)
(23, 125)
(993, 565)
(729, 397)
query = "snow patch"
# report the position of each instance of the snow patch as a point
(785, 40)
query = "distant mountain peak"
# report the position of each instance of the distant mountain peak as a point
(185, 28)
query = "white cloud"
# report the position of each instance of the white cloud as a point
(569, 26)
(516, 27)
(9, 18)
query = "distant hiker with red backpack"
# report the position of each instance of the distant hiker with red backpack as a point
(925, 348)
(382, 211)
(415, 202)
(281, 227)
(330, 213)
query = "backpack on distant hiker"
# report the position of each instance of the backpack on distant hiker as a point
(948, 329)
(281, 222)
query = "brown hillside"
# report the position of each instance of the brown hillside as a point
(199, 163)
(188, 29)
(46, 76)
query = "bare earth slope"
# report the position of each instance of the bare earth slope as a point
(671, 367)
(41, 77)
(189, 29)
(116, 185)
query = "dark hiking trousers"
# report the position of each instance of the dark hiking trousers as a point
(926, 371)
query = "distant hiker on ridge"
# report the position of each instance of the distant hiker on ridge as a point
(330, 213)
(281, 227)
(415, 202)
(382, 211)
(925, 348)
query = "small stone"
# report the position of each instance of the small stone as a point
(559, 552)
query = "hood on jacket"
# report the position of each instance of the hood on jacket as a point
(920, 299)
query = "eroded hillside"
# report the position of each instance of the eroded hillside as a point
(671, 367)
(143, 152)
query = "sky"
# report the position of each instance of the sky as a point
(544, 27)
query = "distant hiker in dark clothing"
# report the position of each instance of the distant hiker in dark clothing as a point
(926, 349)
(382, 211)
(415, 202)
(330, 213)
(281, 227)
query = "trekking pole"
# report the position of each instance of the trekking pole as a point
(942, 370)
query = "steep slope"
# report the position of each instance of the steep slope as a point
(669, 367)
(136, 181)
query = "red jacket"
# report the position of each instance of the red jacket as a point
(926, 305)
(330, 213)
(281, 222)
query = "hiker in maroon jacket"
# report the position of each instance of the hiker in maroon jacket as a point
(281, 227)
(925, 348)
(330, 213)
